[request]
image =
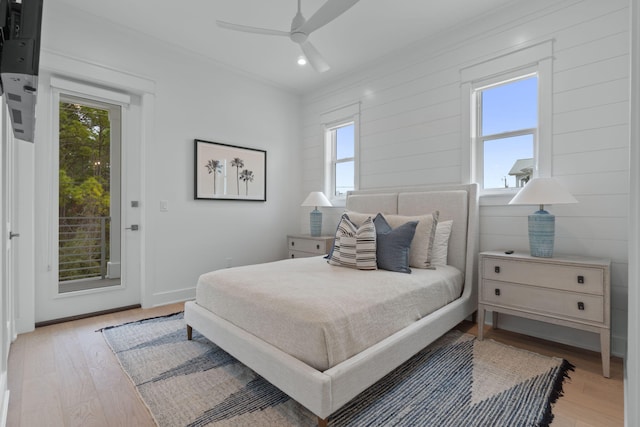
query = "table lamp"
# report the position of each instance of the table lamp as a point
(316, 198)
(542, 191)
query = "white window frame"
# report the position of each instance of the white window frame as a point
(331, 134)
(538, 59)
(332, 120)
(480, 139)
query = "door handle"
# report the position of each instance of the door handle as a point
(12, 235)
(134, 227)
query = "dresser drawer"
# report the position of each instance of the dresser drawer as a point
(300, 254)
(562, 277)
(530, 298)
(312, 246)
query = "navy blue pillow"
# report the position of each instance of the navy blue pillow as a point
(392, 250)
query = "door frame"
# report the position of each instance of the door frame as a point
(36, 262)
(50, 304)
(6, 260)
(632, 362)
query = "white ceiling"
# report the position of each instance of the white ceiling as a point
(367, 31)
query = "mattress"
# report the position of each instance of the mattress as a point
(323, 314)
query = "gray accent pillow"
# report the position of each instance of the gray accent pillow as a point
(422, 244)
(392, 245)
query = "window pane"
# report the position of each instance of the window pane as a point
(344, 142)
(344, 177)
(511, 106)
(508, 162)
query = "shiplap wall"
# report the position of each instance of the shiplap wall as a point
(411, 130)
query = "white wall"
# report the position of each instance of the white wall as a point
(411, 130)
(194, 98)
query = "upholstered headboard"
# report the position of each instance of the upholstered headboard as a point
(454, 202)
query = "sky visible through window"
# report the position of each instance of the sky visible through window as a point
(345, 148)
(506, 108)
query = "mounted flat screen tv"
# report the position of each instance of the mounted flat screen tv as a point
(19, 61)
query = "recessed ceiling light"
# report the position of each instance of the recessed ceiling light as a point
(302, 61)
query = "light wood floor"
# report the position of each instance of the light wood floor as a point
(66, 375)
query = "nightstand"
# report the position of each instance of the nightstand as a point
(304, 245)
(564, 290)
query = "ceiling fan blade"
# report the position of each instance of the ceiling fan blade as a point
(313, 56)
(247, 29)
(327, 13)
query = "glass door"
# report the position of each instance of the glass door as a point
(89, 244)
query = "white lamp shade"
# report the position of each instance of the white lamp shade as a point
(316, 198)
(543, 191)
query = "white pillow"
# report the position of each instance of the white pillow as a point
(440, 249)
(355, 247)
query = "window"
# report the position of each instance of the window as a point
(506, 117)
(341, 147)
(341, 140)
(506, 104)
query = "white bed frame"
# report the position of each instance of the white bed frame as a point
(323, 393)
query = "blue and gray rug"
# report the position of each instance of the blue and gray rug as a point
(457, 381)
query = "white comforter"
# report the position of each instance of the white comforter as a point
(324, 314)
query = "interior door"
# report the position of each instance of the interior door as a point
(7, 331)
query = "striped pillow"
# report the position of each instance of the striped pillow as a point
(355, 247)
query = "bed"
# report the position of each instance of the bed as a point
(325, 363)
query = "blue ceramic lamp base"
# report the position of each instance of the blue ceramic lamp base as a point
(542, 226)
(315, 218)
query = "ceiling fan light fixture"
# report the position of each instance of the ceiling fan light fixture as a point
(302, 61)
(302, 28)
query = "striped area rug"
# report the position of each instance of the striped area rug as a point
(456, 381)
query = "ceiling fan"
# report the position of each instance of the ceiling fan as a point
(301, 28)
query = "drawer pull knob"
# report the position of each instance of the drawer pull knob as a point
(496, 269)
(497, 292)
(293, 256)
(580, 279)
(318, 247)
(580, 306)
(293, 243)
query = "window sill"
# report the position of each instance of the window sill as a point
(498, 197)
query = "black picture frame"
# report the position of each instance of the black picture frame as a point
(229, 172)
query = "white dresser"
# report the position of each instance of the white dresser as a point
(305, 245)
(564, 290)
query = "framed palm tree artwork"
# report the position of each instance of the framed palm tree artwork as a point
(229, 172)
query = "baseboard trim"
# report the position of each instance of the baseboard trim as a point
(84, 316)
(170, 297)
(549, 332)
